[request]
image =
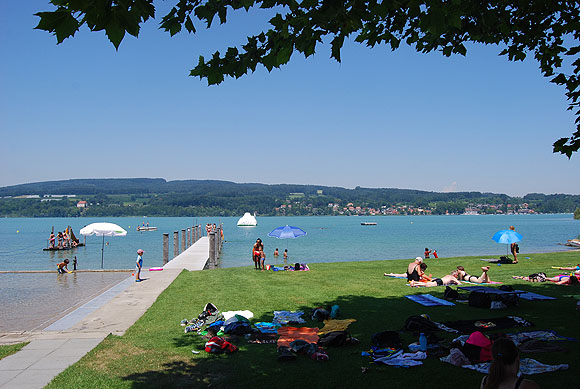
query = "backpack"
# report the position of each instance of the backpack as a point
(334, 339)
(477, 347)
(320, 314)
(387, 339)
(418, 323)
(479, 300)
(450, 293)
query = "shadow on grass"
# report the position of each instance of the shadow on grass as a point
(256, 365)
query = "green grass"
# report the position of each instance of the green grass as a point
(155, 352)
(6, 350)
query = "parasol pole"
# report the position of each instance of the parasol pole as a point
(103, 251)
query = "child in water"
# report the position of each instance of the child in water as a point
(62, 267)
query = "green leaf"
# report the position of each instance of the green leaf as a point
(115, 33)
(189, 25)
(59, 22)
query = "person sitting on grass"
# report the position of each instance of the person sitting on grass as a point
(414, 270)
(62, 267)
(462, 275)
(422, 275)
(445, 280)
(503, 372)
(562, 279)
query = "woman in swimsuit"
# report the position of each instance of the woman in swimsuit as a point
(414, 270)
(503, 372)
(422, 275)
(51, 240)
(462, 275)
(562, 279)
(514, 247)
(445, 280)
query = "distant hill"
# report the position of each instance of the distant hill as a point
(138, 186)
(158, 197)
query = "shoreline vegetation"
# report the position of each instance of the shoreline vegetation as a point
(158, 197)
(155, 351)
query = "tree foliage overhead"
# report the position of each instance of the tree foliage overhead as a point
(547, 30)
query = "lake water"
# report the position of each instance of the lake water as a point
(329, 239)
(33, 300)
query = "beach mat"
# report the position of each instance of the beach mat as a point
(533, 296)
(495, 260)
(428, 301)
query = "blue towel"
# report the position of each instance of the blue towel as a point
(428, 300)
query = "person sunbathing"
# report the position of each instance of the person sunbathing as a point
(562, 279)
(421, 272)
(445, 280)
(575, 269)
(462, 275)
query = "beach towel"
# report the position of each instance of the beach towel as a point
(499, 323)
(428, 300)
(267, 328)
(290, 334)
(286, 317)
(229, 314)
(482, 283)
(403, 359)
(533, 296)
(335, 325)
(528, 366)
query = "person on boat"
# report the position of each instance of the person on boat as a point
(462, 275)
(505, 366)
(427, 252)
(514, 247)
(62, 267)
(139, 265)
(59, 238)
(65, 239)
(51, 241)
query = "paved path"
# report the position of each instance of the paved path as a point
(68, 339)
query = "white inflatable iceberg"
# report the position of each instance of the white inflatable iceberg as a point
(247, 220)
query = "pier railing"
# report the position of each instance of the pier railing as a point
(190, 236)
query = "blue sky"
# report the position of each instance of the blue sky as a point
(378, 119)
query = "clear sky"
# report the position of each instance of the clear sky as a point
(378, 119)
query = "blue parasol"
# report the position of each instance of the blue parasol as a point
(506, 237)
(287, 232)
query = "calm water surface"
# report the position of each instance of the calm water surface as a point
(33, 300)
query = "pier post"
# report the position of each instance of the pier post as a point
(192, 234)
(212, 250)
(182, 240)
(165, 248)
(188, 237)
(175, 243)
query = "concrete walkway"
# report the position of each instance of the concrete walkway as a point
(67, 340)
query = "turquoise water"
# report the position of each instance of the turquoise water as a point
(329, 239)
(34, 300)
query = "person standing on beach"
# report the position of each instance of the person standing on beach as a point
(514, 247)
(427, 252)
(139, 265)
(257, 253)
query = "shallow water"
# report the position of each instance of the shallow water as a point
(32, 301)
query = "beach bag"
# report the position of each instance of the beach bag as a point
(386, 339)
(477, 347)
(537, 277)
(418, 323)
(450, 293)
(334, 339)
(479, 300)
(320, 314)
(504, 259)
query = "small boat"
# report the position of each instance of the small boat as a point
(62, 248)
(574, 243)
(146, 228)
(368, 224)
(248, 220)
(73, 241)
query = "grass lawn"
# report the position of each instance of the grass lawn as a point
(156, 353)
(11, 349)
